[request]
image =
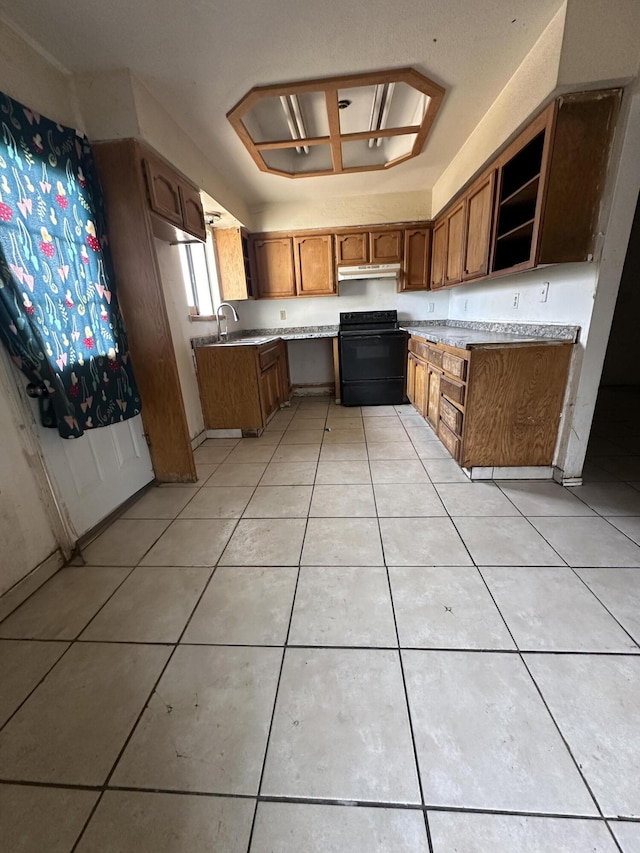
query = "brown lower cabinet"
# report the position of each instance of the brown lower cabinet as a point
(242, 386)
(494, 405)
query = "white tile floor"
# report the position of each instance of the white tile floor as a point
(334, 642)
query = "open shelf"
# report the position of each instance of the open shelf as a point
(519, 232)
(526, 193)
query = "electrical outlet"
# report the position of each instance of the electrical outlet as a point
(431, 307)
(516, 300)
(544, 292)
(283, 314)
(466, 305)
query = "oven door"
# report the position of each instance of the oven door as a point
(370, 356)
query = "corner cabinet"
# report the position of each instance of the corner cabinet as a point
(491, 406)
(242, 386)
(538, 202)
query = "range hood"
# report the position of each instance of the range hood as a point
(368, 271)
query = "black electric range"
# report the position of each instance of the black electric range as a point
(373, 358)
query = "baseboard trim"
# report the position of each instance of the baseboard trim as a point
(197, 441)
(318, 389)
(524, 472)
(26, 586)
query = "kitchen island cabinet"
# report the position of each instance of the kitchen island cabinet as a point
(242, 385)
(492, 406)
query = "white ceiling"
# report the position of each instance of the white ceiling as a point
(199, 57)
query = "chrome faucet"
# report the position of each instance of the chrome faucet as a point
(222, 336)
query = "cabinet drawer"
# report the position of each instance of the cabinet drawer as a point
(453, 390)
(451, 416)
(449, 439)
(454, 365)
(419, 348)
(268, 356)
(435, 356)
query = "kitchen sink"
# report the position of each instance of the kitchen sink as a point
(244, 341)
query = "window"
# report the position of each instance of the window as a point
(197, 273)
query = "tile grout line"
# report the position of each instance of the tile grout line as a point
(71, 642)
(401, 665)
(548, 709)
(604, 606)
(277, 690)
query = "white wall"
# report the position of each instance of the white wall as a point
(182, 330)
(27, 531)
(532, 83)
(367, 295)
(343, 212)
(311, 362)
(569, 300)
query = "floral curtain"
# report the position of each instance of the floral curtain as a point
(59, 314)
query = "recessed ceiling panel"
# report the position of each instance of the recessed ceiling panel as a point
(338, 125)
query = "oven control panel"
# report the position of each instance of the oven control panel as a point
(365, 318)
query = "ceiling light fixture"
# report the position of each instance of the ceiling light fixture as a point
(277, 123)
(291, 107)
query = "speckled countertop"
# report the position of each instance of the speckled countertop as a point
(456, 333)
(472, 334)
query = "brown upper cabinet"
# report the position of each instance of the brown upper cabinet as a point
(287, 266)
(455, 243)
(172, 197)
(385, 247)
(478, 216)
(439, 254)
(275, 275)
(234, 265)
(538, 202)
(315, 268)
(417, 260)
(352, 249)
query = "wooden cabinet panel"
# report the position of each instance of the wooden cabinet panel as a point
(164, 191)
(192, 215)
(411, 377)
(352, 249)
(315, 270)
(433, 397)
(234, 266)
(439, 254)
(451, 416)
(449, 439)
(142, 300)
(417, 260)
(454, 365)
(479, 214)
(270, 391)
(420, 392)
(273, 258)
(385, 247)
(285, 379)
(455, 243)
(453, 390)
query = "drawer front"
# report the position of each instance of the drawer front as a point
(435, 356)
(454, 365)
(449, 439)
(418, 348)
(453, 390)
(451, 416)
(268, 356)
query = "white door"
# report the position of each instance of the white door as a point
(97, 472)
